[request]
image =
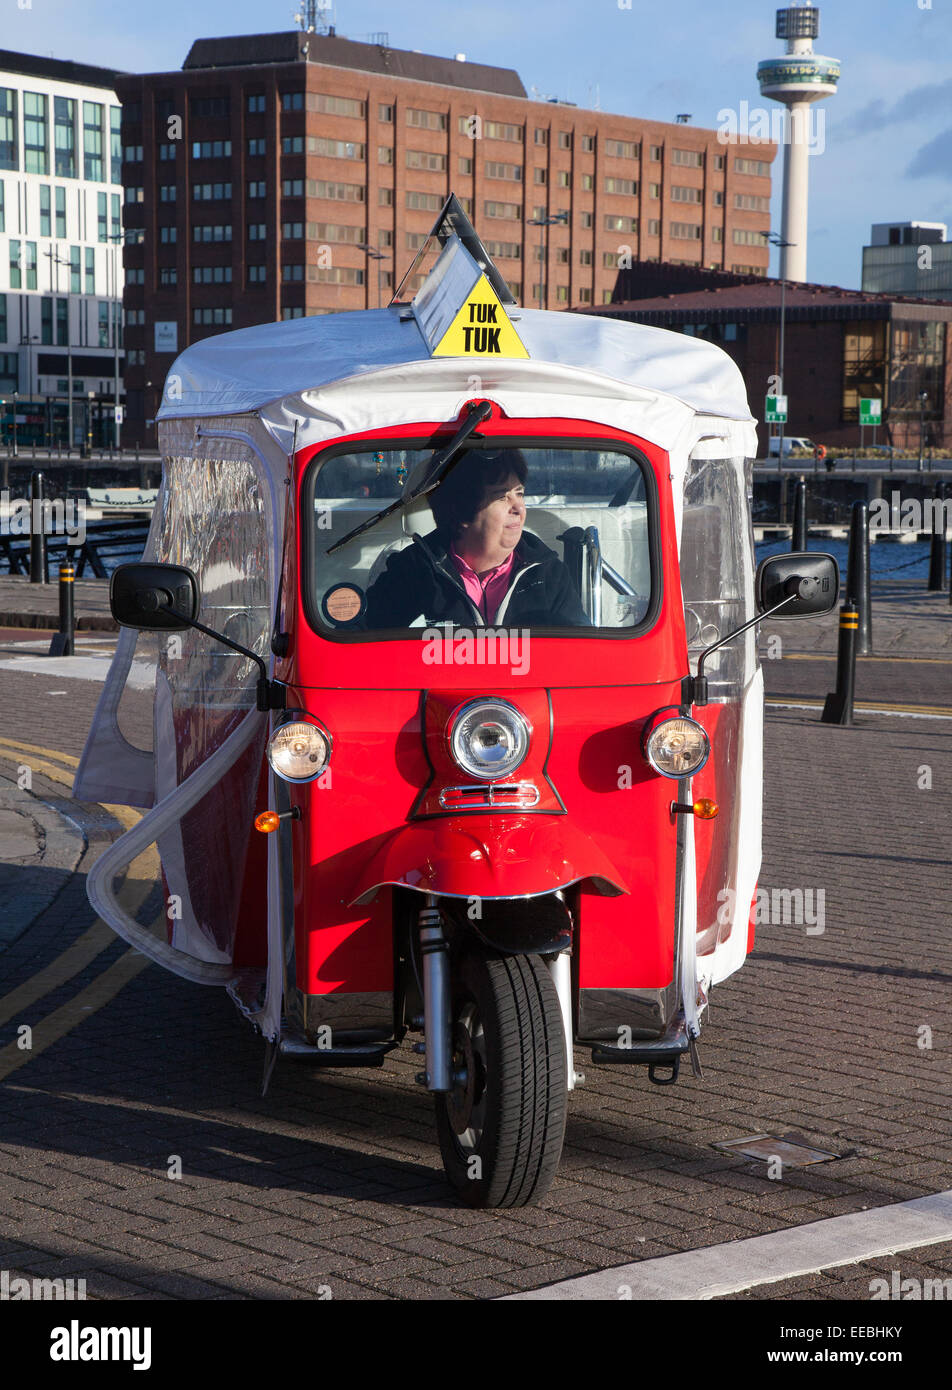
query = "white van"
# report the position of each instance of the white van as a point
(790, 442)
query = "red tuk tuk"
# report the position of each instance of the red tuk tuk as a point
(457, 708)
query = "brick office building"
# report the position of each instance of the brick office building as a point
(254, 175)
(840, 346)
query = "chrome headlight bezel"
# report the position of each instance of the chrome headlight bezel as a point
(299, 716)
(652, 730)
(465, 719)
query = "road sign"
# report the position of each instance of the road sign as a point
(481, 328)
(118, 411)
(776, 412)
(870, 412)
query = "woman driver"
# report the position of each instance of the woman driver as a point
(480, 565)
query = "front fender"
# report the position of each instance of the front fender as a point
(488, 856)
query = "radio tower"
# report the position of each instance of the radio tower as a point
(798, 79)
(314, 16)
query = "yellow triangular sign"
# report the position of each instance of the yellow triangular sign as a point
(481, 328)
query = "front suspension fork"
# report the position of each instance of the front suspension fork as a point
(438, 1023)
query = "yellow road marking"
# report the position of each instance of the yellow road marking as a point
(871, 706)
(911, 660)
(88, 1001)
(41, 752)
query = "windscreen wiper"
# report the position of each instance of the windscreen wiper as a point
(436, 470)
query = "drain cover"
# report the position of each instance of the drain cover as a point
(791, 1149)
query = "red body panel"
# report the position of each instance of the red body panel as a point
(354, 834)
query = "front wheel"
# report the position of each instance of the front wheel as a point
(501, 1126)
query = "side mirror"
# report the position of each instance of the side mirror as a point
(811, 577)
(153, 597)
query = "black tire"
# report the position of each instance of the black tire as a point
(501, 1131)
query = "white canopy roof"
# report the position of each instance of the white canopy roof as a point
(244, 371)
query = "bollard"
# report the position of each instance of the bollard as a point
(799, 533)
(63, 641)
(838, 708)
(857, 576)
(937, 549)
(39, 563)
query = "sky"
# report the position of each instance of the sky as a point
(886, 151)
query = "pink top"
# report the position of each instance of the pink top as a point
(487, 590)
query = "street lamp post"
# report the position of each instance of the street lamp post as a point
(776, 240)
(923, 400)
(58, 260)
(549, 220)
(373, 254)
(115, 238)
(16, 398)
(91, 396)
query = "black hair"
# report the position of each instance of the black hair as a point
(460, 495)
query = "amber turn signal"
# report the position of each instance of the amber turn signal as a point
(704, 808)
(268, 821)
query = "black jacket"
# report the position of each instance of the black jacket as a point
(421, 580)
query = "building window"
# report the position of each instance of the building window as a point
(332, 231)
(294, 188)
(384, 112)
(718, 161)
(504, 250)
(682, 194)
(255, 105)
(465, 164)
(718, 198)
(610, 260)
(565, 140)
(586, 219)
(717, 234)
(689, 159)
(103, 324)
(584, 257)
(588, 144)
(168, 235)
(422, 159)
(168, 276)
(15, 259)
(495, 130)
(335, 275)
(384, 154)
(654, 190)
(336, 192)
(210, 149)
(64, 137)
(115, 215)
(75, 278)
(211, 275)
(35, 135)
(257, 189)
(46, 212)
(293, 144)
(654, 153)
(210, 192)
(292, 272)
(750, 202)
(686, 231)
(562, 294)
(426, 202)
(588, 182)
(135, 275)
(257, 231)
(336, 106)
(207, 316)
(385, 197)
(585, 295)
(290, 311)
(136, 195)
(257, 148)
(9, 134)
(292, 231)
(627, 187)
(508, 212)
(565, 178)
(541, 136)
(212, 232)
(257, 274)
(743, 237)
(539, 176)
(336, 149)
(167, 151)
(614, 223)
(210, 106)
(167, 193)
(622, 149)
(93, 142)
(426, 120)
(759, 167)
(511, 172)
(562, 255)
(90, 270)
(654, 226)
(131, 154)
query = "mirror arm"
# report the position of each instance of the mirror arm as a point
(698, 683)
(267, 693)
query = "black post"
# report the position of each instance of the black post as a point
(63, 643)
(857, 576)
(838, 708)
(937, 550)
(799, 537)
(39, 565)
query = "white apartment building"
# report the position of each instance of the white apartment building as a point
(60, 246)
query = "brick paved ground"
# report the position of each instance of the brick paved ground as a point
(333, 1180)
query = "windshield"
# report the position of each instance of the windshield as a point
(552, 537)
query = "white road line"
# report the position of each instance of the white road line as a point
(788, 1254)
(87, 668)
(895, 713)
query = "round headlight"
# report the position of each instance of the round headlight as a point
(677, 747)
(298, 750)
(489, 738)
